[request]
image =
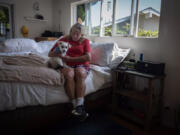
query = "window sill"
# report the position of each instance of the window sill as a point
(122, 37)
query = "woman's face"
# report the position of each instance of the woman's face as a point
(75, 34)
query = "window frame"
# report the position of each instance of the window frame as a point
(134, 19)
(89, 29)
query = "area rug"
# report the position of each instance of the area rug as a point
(96, 124)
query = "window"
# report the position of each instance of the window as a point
(89, 15)
(6, 26)
(107, 12)
(149, 14)
(138, 18)
(122, 16)
(81, 13)
(94, 16)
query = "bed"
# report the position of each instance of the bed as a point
(32, 93)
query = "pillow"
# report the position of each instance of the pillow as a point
(107, 54)
(118, 56)
(101, 53)
(19, 45)
(45, 46)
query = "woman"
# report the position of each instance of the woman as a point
(77, 58)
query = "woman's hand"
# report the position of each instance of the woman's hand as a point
(66, 58)
(84, 58)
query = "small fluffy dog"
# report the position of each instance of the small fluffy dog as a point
(56, 62)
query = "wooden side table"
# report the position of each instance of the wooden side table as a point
(151, 98)
(38, 39)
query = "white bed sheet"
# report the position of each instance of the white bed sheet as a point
(14, 95)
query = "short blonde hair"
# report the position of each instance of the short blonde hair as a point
(79, 27)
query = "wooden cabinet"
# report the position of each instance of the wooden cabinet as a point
(38, 39)
(150, 97)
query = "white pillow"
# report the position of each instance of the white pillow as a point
(101, 53)
(19, 45)
(45, 46)
(108, 54)
(118, 55)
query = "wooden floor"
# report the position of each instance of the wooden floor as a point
(138, 130)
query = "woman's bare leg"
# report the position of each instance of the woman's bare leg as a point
(80, 76)
(70, 82)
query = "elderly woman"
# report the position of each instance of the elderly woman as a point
(77, 58)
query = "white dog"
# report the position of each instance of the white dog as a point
(56, 62)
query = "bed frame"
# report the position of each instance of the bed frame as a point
(28, 119)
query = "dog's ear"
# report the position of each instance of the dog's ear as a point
(58, 42)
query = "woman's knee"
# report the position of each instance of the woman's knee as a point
(68, 74)
(80, 73)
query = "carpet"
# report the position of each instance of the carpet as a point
(96, 124)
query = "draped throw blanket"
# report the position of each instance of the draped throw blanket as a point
(28, 68)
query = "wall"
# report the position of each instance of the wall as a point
(24, 8)
(61, 15)
(36, 28)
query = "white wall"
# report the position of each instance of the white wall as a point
(25, 8)
(163, 49)
(62, 13)
(62, 18)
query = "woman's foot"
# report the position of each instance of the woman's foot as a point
(80, 113)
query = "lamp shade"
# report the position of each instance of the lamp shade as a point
(24, 31)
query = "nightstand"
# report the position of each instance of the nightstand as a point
(38, 39)
(149, 99)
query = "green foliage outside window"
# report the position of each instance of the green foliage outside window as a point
(127, 27)
(121, 32)
(108, 31)
(141, 33)
(96, 30)
(2, 16)
(125, 30)
(4, 21)
(147, 33)
(81, 12)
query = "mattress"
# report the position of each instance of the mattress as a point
(19, 94)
